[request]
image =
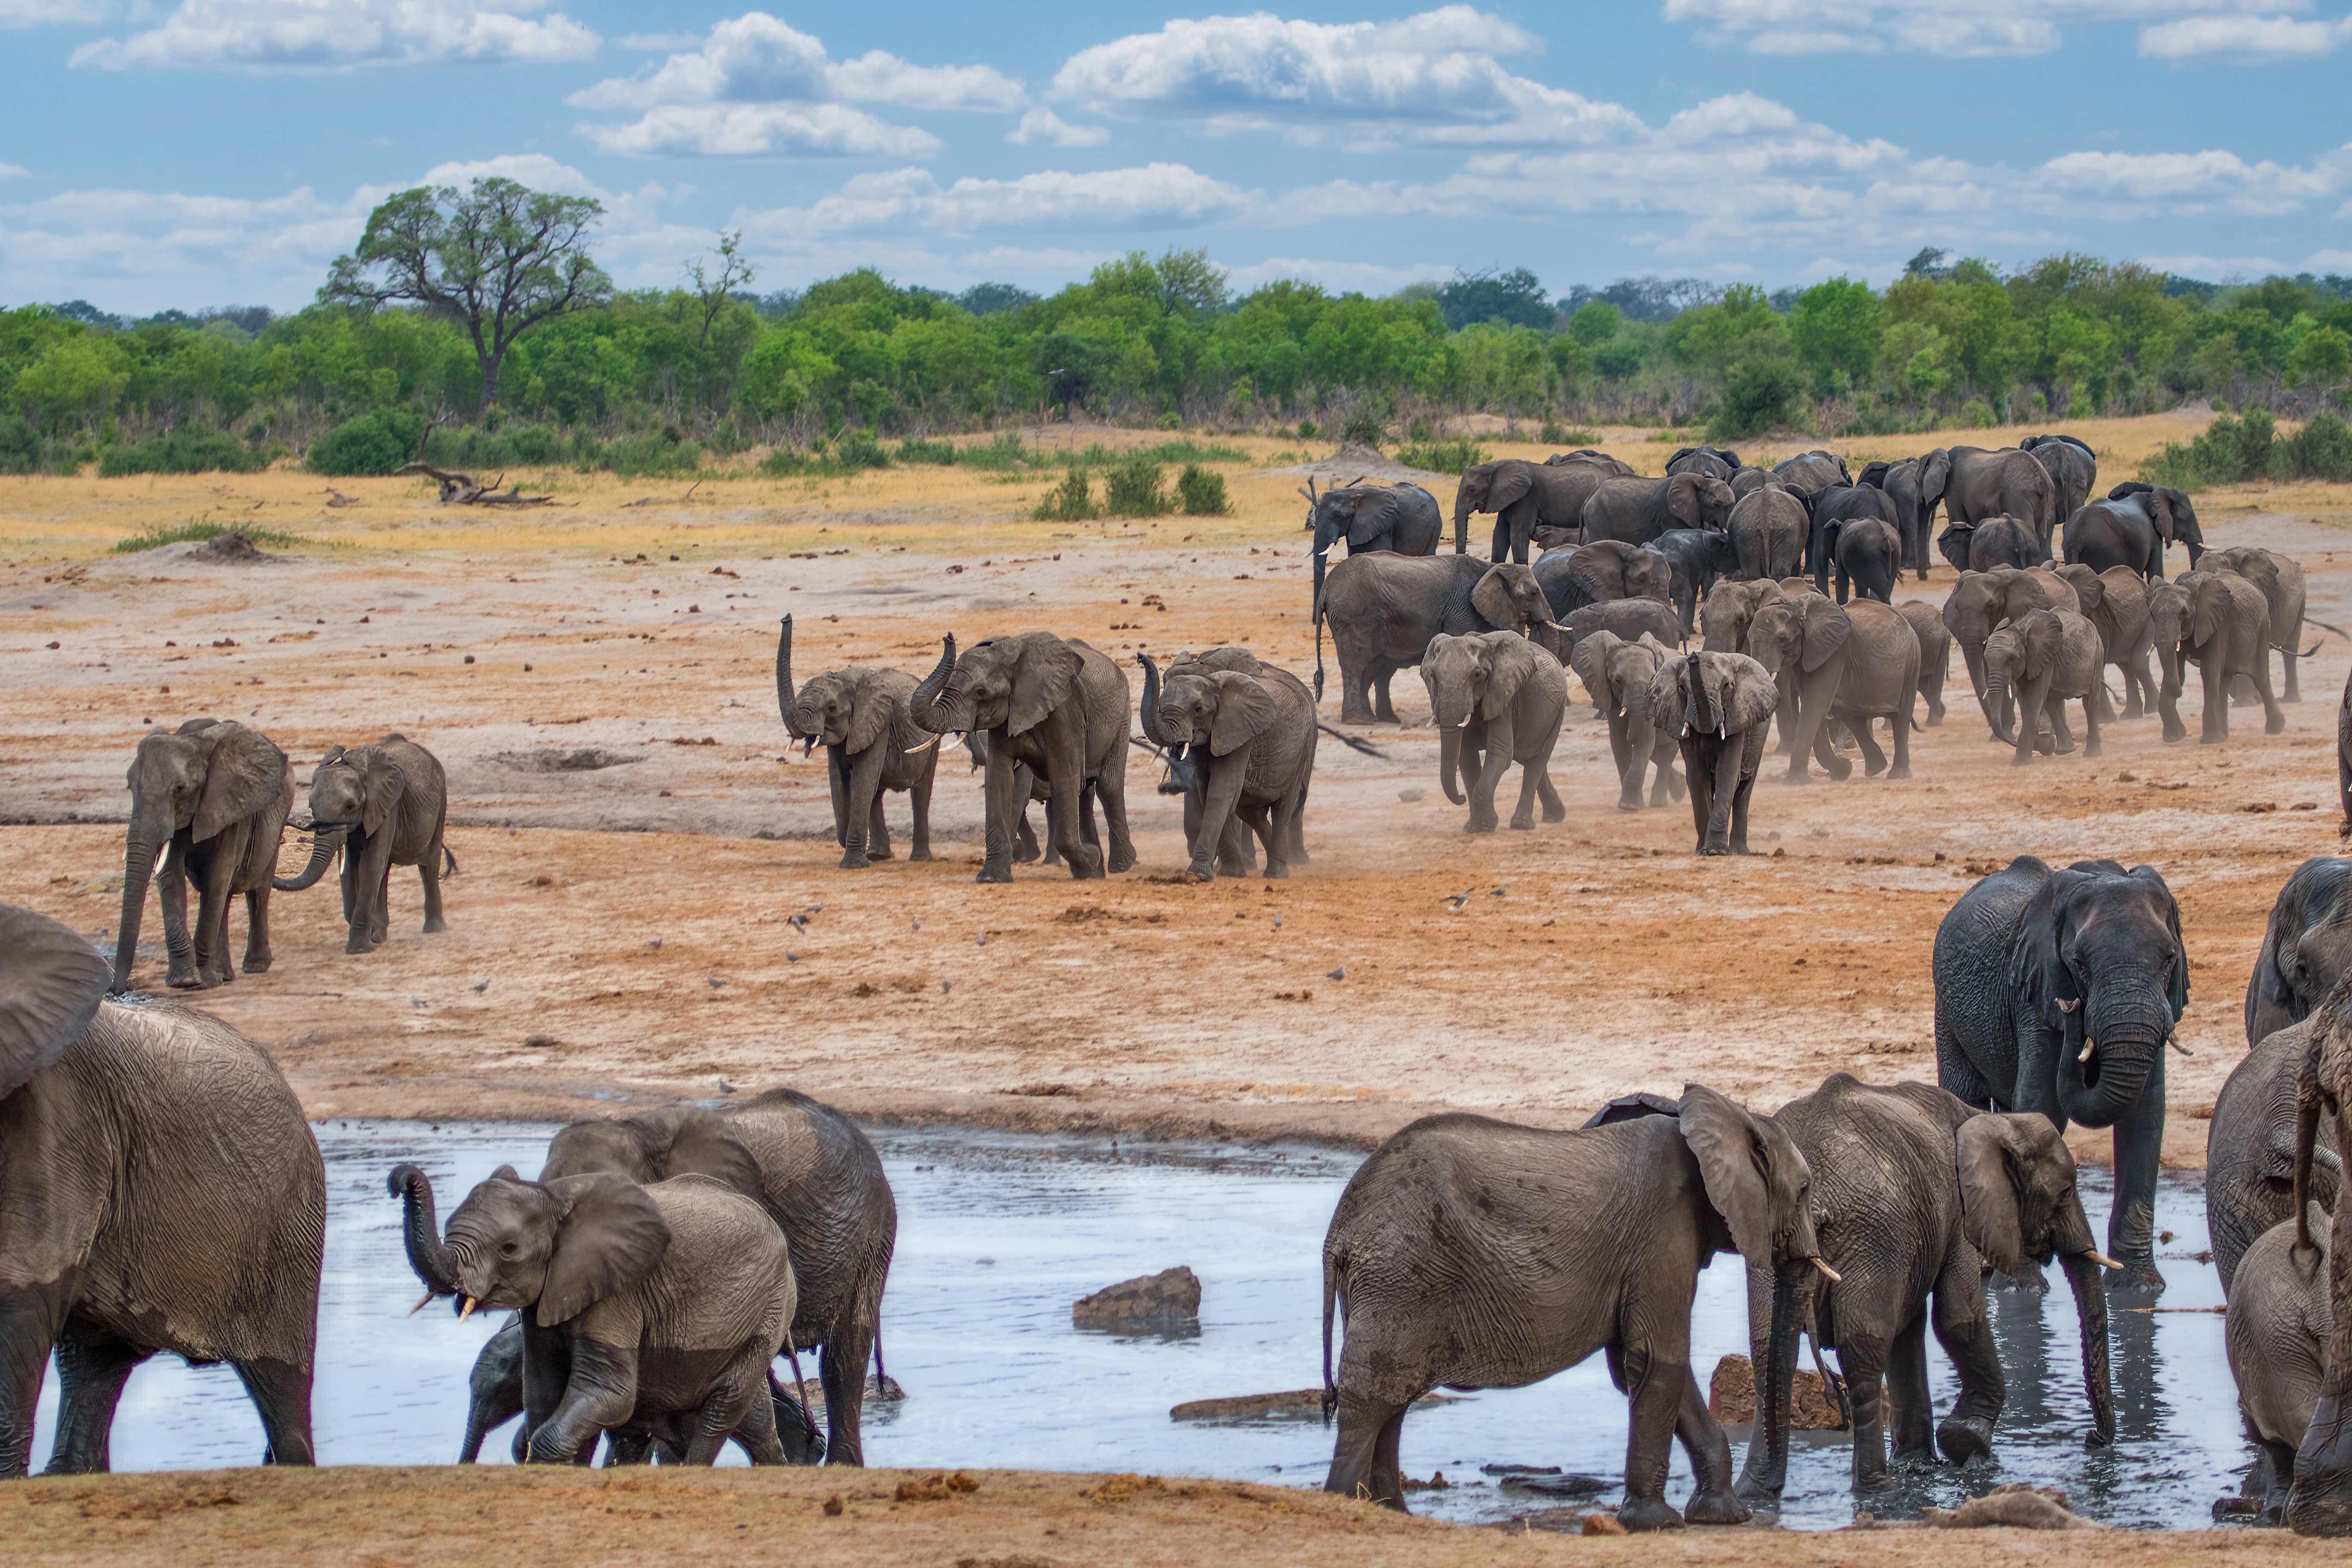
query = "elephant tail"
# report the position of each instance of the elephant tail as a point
(448, 861)
(1352, 743)
(816, 1439)
(2323, 625)
(879, 1379)
(1330, 1291)
(1318, 645)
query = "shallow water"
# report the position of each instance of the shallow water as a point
(999, 1233)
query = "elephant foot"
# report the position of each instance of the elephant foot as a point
(2140, 1274)
(1236, 868)
(1800, 774)
(1715, 1505)
(1964, 1439)
(1555, 814)
(1881, 1480)
(1476, 825)
(1759, 1488)
(358, 943)
(1025, 854)
(993, 874)
(1648, 1513)
(2275, 728)
(1523, 825)
(1633, 805)
(883, 853)
(1277, 871)
(1840, 769)
(1899, 771)
(1198, 873)
(853, 862)
(1711, 848)
(1122, 859)
(2028, 1279)
(257, 964)
(923, 854)
(434, 926)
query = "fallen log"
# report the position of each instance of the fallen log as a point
(461, 489)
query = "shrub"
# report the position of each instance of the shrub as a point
(197, 531)
(913, 451)
(635, 456)
(858, 450)
(1200, 493)
(1756, 396)
(377, 443)
(1131, 488)
(20, 445)
(1306, 429)
(182, 451)
(1005, 453)
(786, 463)
(1450, 456)
(2322, 449)
(1072, 501)
(1367, 422)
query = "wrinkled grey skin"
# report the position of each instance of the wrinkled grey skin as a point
(2280, 578)
(2050, 658)
(1617, 673)
(2320, 1499)
(1637, 510)
(862, 716)
(1844, 504)
(2115, 601)
(1915, 514)
(159, 1190)
(1630, 619)
(2132, 526)
(1614, 467)
(1028, 788)
(1402, 518)
(1187, 766)
(2219, 622)
(1524, 497)
(1926, 622)
(2057, 991)
(1059, 706)
(2279, 1324)
(1799, 640)
(1995, 542)
(637, 1301)
(1497, 701)
(1719, 706)
(1712, 461)
(2250, 1149)
(1699, 557)
(2072, 468)
(1980, 601)
(1881, 680)
(1975, 484)
(1867, 552)
(378, 806)
(1473, 1254)
(1247, 736)
(1730, 608)
(1810, 474)
(2306, 948)
(1383, 609)
(1598, 574)
(1914, 1194)
(1768, 529)
(215, 796)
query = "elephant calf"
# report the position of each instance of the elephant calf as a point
(2220, 623)
(1497, 699)
(872, 746)
(1618, 672)
(2052, 657)
(2276, 1333)
(378, 806)
(2250, 1149)
(1243, 735)
(1720, 705)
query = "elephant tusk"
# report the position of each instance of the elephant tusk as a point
(2066, 1006)
(2177, 1045)
(465, 1308)
(422, 1302)
(918, 751)
(2084, 1054)
(1834, 1277)
(2103, 1261)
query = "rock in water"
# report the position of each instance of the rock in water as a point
(1171, 1296)
(1731, 1398)
(2015, 1507)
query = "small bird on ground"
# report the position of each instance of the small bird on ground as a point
(1338, 974)
(485, 985)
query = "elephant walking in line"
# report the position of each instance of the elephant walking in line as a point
(2072, 467)
(1617, 672)
(1975, 484)
(1730, 609)
(1524, 497)
(863, 717)
(1838, 509)
(1914, 513)
(1244, 735)
(1719, 705)
(162, 1193)
(1799, 640)
(1768, 529)
(1926, 623)
(1881, 680)
(378, 806)
(2306, 948)
(215, 796)
(1058, 705)
(1867, 552)
(1471, 1253)
(2220, 623)
(1914, 1194)
(2280, 578)
(2051, 658)
(1600, 573)
(1637, 510)
(1497, 699)
(2250, 1149)
(1401, 518)
(1383, 609)
(2132, 526)
(2115, 601)
(1980, 601)
(2057, 991)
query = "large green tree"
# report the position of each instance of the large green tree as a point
(497, 259)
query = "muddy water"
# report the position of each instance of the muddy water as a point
(999, 1233)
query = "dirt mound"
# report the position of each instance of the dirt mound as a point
(1356, 461)
(564, 760)
(230, 549)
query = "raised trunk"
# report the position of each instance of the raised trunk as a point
(784, 688)
(929, 706)
(138, 869)
(1150, 714)
(326, 841)
(2091, 1313)
(426, 1253)
(1449, 760)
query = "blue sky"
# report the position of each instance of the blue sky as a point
(216, 151)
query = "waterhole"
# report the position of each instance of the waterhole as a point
(999, 1233)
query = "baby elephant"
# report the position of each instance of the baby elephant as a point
(1618, 674)
(1498, 699)
(1720, 705)
(2052, 657)
(2277, 1332)
(378, 806)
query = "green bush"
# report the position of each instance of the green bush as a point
(1450, 456)
(1200, 493)
(911, 450)
(1306, 429)
(858, 450)
(2322, 449)
(1756, 396)
(182, 451)
(1131, 488)
(1167, 453)
(1072, 501)
(638, 457)
(1004, 454)
(1368, 422)
(197, 531)
(786, 463)
(377, 443)
(20, 445)
(513, 446)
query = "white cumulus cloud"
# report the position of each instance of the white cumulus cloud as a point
(2249, 40)
(1044, 127)
(1953, 28)
(913, 200)
(56, 13)
(344, 34)
(760, 130)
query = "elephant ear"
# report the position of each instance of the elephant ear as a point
(1874, 474)
(1732, 1163)
(1375, 514)
(1827, 627)
(2039, 635)
(51, 982)
(2153, 879)
(246, 774)
(1512, 661)
(1492, 599)
(1757, 694)
(384, 784)
(870, 713)
(1042, 678)
(1682, 500)
(702, 1144)
(1989, 1184)
(2087, 586)
(2206, 602)
(1935, 473)
(610, 1236)
(1590, 658)
(1244, 712)
(1512, 481)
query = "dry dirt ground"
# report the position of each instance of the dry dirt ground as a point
(623, 929)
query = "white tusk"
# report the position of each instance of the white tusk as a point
(422, 1302)
(1722, 733)
(2066, 1006)
(2084, 1054)
(1834, 1277)
(465, 1308)
(2103, 1261)
(915, 751)
(2177, 1045)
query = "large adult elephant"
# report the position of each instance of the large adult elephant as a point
(378, 806)
(1881, 681)
(217, 795)
(2115, 601)
(1914, 1191)
(2306, 948)
(2250, 1148)
(1497, 701)
(1631, 619)
(1475, 1254)
(1523, 496)
(863, 716)
(2057, 991)
(1769, 528)
(1800, 639)
(1809, 475)
(1638, 511)
(1904, 483)
(2048, 658)
(1597, 572)
(2220, 623)
(1975, 484)
(2279, 577)
(163, 1193)
(1247, 737)
(1383, 609)
(1058, 705)
(1698, 557)
(2071, 466)
(1713, 461)
(1719, 706)
(1730, 609)
(2133, 526)
(1401, 518)
(1617, 672)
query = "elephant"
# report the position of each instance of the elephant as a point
(1629, 619)
(1809, 475)
(2220, 622)
(1730, 609)
(1497, 699)
(2071, 466)
(1980, 601)
(1058, 705)
(1844, 503)
(1476, 1254)
(1711, 461)
(1994, 542)
(1935, 653)
(1616, 467)
(2057, 991)
(1248, 738)
(1868, 553)
(2133, 526)
(378, 806)
(638, 1301)
(1799, 640)
(1719, 705)
(1748, 482)
(2343, 759)
(863, 717)
(1975, 484)
(2307, 949)
(1881, 681)
(2279, 577)
(1912, 1188)
(2319, 1501)
(163, 1193)
(1524, 497)
(1905, 484)
(2115, 601)
(2052, 657)
(2250, 1149)
(215, 795)
(1401, 518)
(1637, 510)
(1599, 572)
(1768, 529)
(2278, 1326)
(1697, 557)
(1617, 673)
(1383, 609)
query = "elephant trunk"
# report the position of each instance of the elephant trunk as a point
(933, 705)
(1462, 520)
(1449, 762)
(784, 688)
(2320, 1502)
(427, 1254)
(2109, 1070)
(1150, 712)
(1997, 702)
(1774, 1382)
(138, 868)
(1698, 702)
(2090, 1291)
(326, 841)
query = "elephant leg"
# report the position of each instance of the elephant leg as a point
(2167, 697)
(2273, 721)
(172, 898)
(257, 956)
(212, 966)
(1863, 1356)
(737, 1407)
(1554, 808)
(1365, 1461)
(1523, 815)
(836, 784)
(2131, 1223)
(1909, 1411)
(2214, 679)
(1873, 761)
(919, 807)
(1494, 761)
(861, 810)
(1698, 770)
(281, 1396)
(841, 1367)
(1724, 797)
(1384, 707)
(429, 872)
(1713, 1500)
(1111, 787)
(1217, 813)
(1066, 808)
(2061, 735)
(1276, 834)
(2276, 1471)
(2292, 691)
(2091, 744)
(1966, 1334)
(1628, 766)
(1667, 785)
(90, 1375)
(600, 1394)
(1901, 726)
(1001, 809)
(877, 831)
(380, 906)
(1742, 793)
(1654, 1393)
(30, 1317)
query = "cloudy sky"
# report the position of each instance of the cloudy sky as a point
(155, 154)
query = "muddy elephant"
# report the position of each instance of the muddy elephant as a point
(2072, 467)
(164, 1193)
(1058, 705)
(1524, 497)
(1617, 674)
(862, 716)
(1248, 738)
(1730, 609)
(1980, 601)
(1799, 640)
(2115, 601)
(637, 1301)
(378, 806)
(1598, 573)
(215, 796)
(2279, 1324)
(2279, 577)
(2250, 1149)
(2057, 991)
(1995, 542)
(1497, 701)
(1926, 622)
(2049, 657)
(1383, 609)
(2132, 526)
(2306, 947)
(1881, 681)
(1768, 529)
(1698, 557)
(1712, 461)
(1913, 1193)
(1719, 708)
(2220, 623)
(1637, 510)
(1975, 484)
(1475, 1254)
(1905, 484)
